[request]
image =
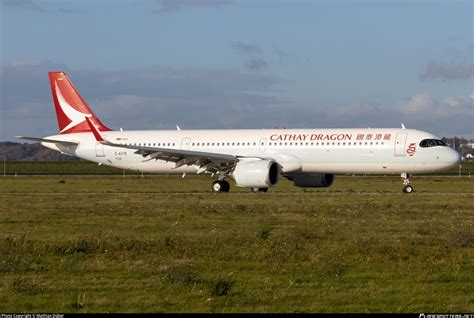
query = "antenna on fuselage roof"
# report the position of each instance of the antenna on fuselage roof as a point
(403, 126)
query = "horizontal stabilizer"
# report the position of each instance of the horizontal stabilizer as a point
(53, 141)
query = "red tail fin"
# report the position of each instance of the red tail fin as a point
(71, 109)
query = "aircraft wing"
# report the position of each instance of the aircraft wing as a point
(53, 141)
(206, 161)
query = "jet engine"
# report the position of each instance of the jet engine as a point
(312, 180)
(256, 173)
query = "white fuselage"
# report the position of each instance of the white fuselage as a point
(375, 150)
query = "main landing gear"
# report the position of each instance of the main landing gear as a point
(220, 186)
(407, 188)
(255, 190)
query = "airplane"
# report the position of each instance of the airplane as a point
(253, 158)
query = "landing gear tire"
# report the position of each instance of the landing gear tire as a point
(220, 186)
(216, 186)
(408, 189)
(225, 186)
(255, 190)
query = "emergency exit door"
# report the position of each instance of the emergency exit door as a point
(400, 141)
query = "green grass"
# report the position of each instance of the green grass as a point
(161, 244)
(73, 167)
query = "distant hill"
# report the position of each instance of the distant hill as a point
(29, 152)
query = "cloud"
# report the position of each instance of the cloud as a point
(22, 4)
(31, 5)
(141, 98)
(248, 48)
(255, 60)
(424, 105)
(175, 5)
(420, 103)
(158, 97)
(453, 115)
(256, 64)
(457, 105)
(435, 70)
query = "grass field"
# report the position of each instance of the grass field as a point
(154, 244)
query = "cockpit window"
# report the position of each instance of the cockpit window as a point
(425, 143)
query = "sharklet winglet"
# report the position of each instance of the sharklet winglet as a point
(98, 136)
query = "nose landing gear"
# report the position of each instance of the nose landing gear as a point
(407, 188)
(220, 186)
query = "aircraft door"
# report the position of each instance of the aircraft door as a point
(400, 141)
(263, 144)
(99, 149)
(185, 143)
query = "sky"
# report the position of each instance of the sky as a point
(155, 64)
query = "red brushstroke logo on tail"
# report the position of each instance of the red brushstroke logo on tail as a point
(71, 109)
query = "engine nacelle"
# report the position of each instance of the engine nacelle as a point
(256, 173)
(312, 180)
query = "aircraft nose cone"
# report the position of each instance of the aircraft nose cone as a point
(458, 157)
(454, 157)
